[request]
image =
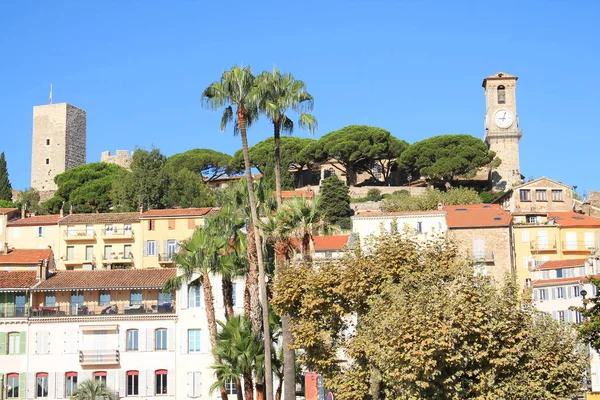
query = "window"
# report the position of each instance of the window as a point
(133, 383)
(171, 247)
(560, 293)
(109, 229)
(194, 297)
(525, 195)
(151, 225)
(589, 239)
(193, 340)
(132, 340)
(420, 227)
(127, 228)
(47, 161)
(14, 343)
(160, 339)
(191, 223)
(104, 298)
(161, 381)
(230, 386)
(501, 94)
(561, 316)
(151, 248)
(108, 252)
(576, 291)
(127, 253)
(234, 294)
(525, 236)
(557, 195)
(543, 294)
(171, 224)
(194, 384)
(542, 238)
(100, 376)
(378, 172)
(560, 273)
(40, 231)
(89, 230)
(578, 317)
(571, 240)
(41, 379)
(70, 253)
(329, 172)
(47, 142)
(541, 195)
(70, 383)
(89, 253)
(12, 386)
(479, 248)
(50, 299)
(135, 297)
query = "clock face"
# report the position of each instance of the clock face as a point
(503, 119)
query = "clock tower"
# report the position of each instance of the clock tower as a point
(502, 133)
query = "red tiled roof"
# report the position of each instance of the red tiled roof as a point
(36, 220)
(8, 210)
(572, 262)
(108, 279)
(25, 256)
(177, 212)
(571, 219)
(325, 243)
(100, 218)
(560, 281)
(477, 216)
(17, 279)
(290, 194)
(375, 213)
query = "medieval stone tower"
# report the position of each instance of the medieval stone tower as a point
(502, 132)
(59, 136)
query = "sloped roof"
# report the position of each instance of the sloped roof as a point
(499, 75)
(477, 216)
(8, 210)
(36, 220)
(25, 256)
(576, 262)
(571, 219)
(560, 281)
(17, 279)
(290, 194)
(100, 218)
(326, 243)
(177, 212)
(383, 214)
(108, 279)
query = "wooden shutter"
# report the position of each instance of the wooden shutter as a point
(165, 247)
(3, 343)
(42, 342)
(525, 236)
(197, 384)
(171, 339)
(145, 248)
(150, 336)
(183, 346)
(51, 383)
(60, 386)
(23, 389)
(31, 386)
(182, 296)
(150, 385)
(23, 343)
(171, 382)
(190, 384)
(142, 383)
(122, 383)
(111, 380)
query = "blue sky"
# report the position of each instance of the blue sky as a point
(412, 67)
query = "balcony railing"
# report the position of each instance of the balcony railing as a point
(166, 258)
(576, 245)
(79, 234)
(117, 233)
(13, 311)
(543, 245)
(124, 258)
(93, 309)
(483, 256)
(99, 357)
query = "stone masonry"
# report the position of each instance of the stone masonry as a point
(122, 158)
(58, 143)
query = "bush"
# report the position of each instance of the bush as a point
(345, 223)
(374, 195)
(429, 200)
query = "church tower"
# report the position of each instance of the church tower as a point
(502, 133)
(59, 143)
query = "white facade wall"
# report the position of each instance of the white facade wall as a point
(425, 225)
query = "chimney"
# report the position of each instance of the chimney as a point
(5, 248)
(42, 271)
(62, 212)
(23, 211)
(141, 209)
(71, 209)
(440, 206)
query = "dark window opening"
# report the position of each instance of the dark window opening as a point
(501, 95)
(47, 142)
(47, 161)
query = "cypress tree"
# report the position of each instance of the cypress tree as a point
(5, 187)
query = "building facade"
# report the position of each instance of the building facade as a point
(58, 144)
(121, 158)
(538, 196)
(35, 232)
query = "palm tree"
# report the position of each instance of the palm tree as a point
(92, 389)
(237, 88)
(302, 219)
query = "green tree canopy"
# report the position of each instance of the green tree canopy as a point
(429, 200)
(86, 188)
(30, 198)
(209, 163)
(446, 157)
(335, 200)
(358, 148)
(5, 187)
(187, 189)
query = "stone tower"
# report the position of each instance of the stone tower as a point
(502, 132)
(59, 136)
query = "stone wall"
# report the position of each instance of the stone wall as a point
(121, 158)
(76, 137)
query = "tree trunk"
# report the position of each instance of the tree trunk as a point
(278, 392)
(260, 391)
(241, 114)
(227, 288)
(276, 135)
(307, 247)
(350, 175)
(240, 391)
(252, 296)
(248, 387)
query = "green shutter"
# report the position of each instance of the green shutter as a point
(23, 343)
(3, 339)
(23, 385)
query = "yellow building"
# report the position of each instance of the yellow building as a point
(542, 237)
(97, 241)
(6, 214)
(163, 230)
(34, 232)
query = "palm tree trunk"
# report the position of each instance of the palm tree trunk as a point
(260, 391)
(278, 392)
(248, 387)
(239, 390)
(227, 288)
(276, 151)
(251, 291)
(241, 114)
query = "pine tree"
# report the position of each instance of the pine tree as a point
(5, 187)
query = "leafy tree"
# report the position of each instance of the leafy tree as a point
(7, 204)
(187, 189)
(589, 328)
(86, 188)
(335, 200)
(209, 163)
(30, 198)
(237, 88)
(374, 194)
(92, 389)
(358, 148)
(424, 327)
(443, 158)
(429, 200)
(149, 179)
(5, 187)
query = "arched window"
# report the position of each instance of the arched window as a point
(12, 386)
(70, 383)
(160, 339)
(133, 383)
(132, 340)
(195, 296)
(41, 379)
(501, 95)
(100, 376)
(161, 381)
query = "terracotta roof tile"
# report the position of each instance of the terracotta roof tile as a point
(573, 219)
(290, 194)
(101, 218)
(580, 262)
(177, 212)
(108, 279)
(560, 281)
(36, 220)
(477, 216)
(325, 243)
(25, 256)
(376, 213)
(8, 210)
(17, 279)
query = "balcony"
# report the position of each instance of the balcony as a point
(87, 309)
(117, 234)
(99, 357)
(117, 258)
(79, 235)
(13, 311)
(577, 246)
(547, 246)
(486, 256)
(166, 258)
